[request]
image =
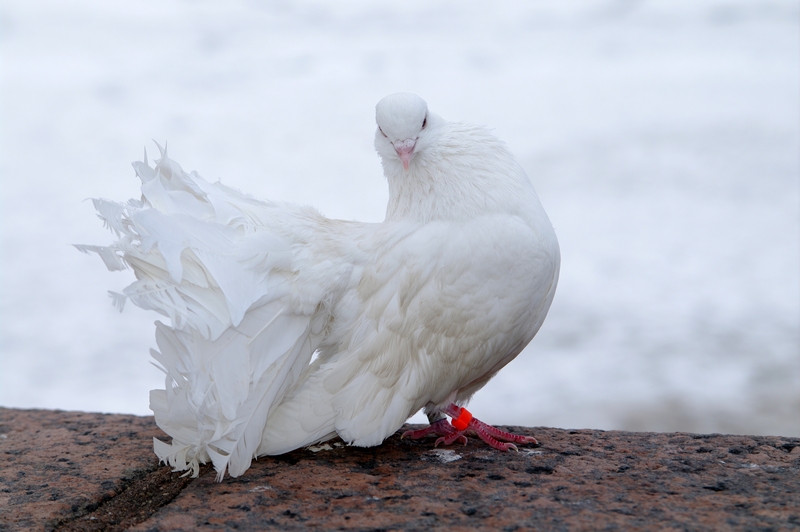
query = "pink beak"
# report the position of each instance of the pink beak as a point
(405, 150)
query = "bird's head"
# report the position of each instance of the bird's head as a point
(403, 126)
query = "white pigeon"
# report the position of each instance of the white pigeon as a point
(419, 311)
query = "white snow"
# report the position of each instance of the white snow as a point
(663, 138)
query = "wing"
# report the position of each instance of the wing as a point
(248, 297)
(437, 311)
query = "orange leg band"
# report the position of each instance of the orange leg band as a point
(462, 421)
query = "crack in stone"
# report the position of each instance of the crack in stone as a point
(139, 500)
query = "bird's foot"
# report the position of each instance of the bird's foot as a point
(450, 432)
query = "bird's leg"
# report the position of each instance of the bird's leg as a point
(464, 422)
(439, 426)
(492, 435)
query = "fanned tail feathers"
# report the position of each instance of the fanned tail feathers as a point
(203, 259)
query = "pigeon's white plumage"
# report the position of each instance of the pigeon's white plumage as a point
(419, 311)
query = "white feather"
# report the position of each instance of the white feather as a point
(416, 312)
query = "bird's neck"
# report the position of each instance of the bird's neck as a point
(465, 177)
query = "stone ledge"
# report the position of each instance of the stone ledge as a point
(81, 471)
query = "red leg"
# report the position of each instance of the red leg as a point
(441, 428)
(491, 435)
(479, 426)
(464, 422)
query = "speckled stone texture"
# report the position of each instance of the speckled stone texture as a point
(574, 480)
(56, 465)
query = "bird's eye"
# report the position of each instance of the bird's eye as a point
(382, 133)
(424, 122)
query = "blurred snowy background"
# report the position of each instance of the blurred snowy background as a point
(663, 139)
